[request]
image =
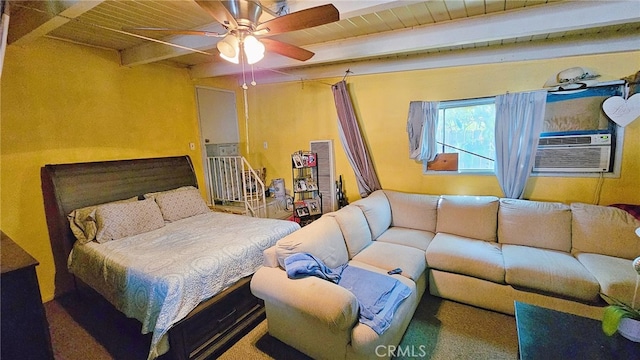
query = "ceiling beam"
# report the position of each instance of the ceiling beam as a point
(351, 8)
(552, 18)
(33, 19)
(152, 51)
(535, 50)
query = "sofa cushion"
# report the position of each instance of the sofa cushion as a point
(468, 216)
(419, 239)
(604, 230)
(616, 276)
(387, 256)
(377, 211)
(535, 223)
(365, 341)
(355, 228)
(322, 239)
(270, 257)
(466, 256)
(548, 271)
(414, 211)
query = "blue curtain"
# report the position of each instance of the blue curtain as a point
(422, 123)
(519, 119)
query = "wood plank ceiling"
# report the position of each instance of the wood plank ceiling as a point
(376, 36)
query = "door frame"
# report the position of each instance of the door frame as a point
(203, 147)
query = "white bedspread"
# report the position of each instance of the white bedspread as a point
(160, 276)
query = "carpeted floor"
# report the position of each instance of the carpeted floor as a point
(88, 328)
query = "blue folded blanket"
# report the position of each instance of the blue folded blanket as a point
(378, 295)
(304, 264)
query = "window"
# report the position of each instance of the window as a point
(467, 127)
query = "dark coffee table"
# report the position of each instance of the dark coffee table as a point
(548, 334)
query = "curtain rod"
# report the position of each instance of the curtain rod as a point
(607, 83)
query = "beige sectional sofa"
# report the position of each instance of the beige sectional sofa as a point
(479, 250)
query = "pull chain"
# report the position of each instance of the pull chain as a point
(253, 79)
(244, 80)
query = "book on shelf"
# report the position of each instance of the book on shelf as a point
(301, 208)
(303, 159)
(311, 184)
(314, 206)
(301, 185)
(296, 158)
(309, 159)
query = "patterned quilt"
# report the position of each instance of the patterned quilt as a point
(158, 277)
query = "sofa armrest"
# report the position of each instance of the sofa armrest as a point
(270, 258)
(321, 299)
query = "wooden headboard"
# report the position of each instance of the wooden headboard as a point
(66, 187)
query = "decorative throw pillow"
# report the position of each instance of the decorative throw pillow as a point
(83, 221)
(119, 220)
(176, 205)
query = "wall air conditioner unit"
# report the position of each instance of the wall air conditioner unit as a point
(574, 153)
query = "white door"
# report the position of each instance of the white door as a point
(218, 121)
(218, 116)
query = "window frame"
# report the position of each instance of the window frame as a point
(617, 156)
(443, 105)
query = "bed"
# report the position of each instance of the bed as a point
(186, 280)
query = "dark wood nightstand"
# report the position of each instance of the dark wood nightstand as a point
(25, 330)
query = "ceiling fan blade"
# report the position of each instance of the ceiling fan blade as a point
(302, 19)
(166, 31)
(287, 50)
(219, 12)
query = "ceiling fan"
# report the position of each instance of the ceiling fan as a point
(246, 36)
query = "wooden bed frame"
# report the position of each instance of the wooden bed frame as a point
(213, 325)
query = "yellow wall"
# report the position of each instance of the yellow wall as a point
(289, 115)
(67, 103)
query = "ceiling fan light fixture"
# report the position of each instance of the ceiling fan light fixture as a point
(234, 60)
(229, 48)
(253, 49)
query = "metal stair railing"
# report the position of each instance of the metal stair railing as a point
(233, 182)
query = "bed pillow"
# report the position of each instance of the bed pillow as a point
(152, 195)
(83, 221)
(119, 220)
(176, 205)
